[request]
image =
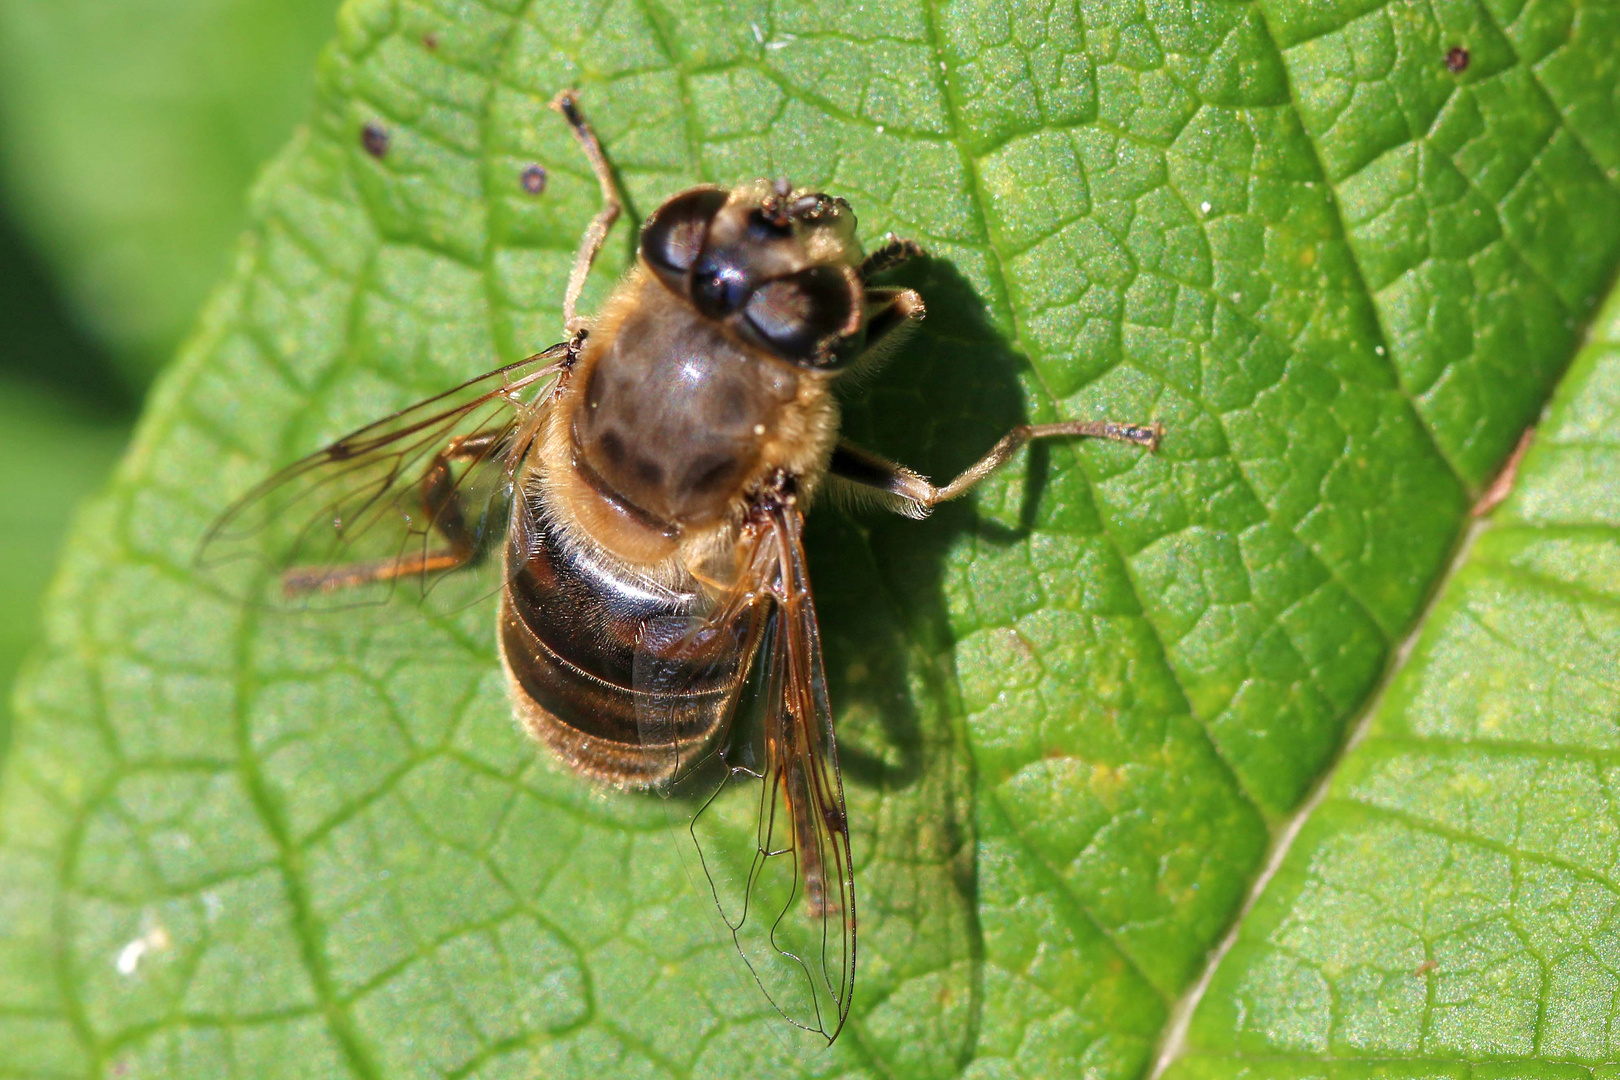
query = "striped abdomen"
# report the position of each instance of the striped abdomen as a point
(570, 632)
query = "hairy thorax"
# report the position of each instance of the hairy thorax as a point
(672, 423)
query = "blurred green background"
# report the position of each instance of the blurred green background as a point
(130, 131)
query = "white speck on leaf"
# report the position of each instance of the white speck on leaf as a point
(1203, 207)
(130, 956)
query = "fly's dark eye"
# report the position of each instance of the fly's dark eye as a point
(719, 284)
(804, 316)
(673, 236)
(739, 251)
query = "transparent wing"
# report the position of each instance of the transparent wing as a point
(759, 779)
(391, 508)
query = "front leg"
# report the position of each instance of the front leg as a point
(590, 244)
(890, 313)
(890, 254)
(912, 494)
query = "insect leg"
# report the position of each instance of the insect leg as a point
(909, 492)
(567, 103)
(915, 495)
(890, 313)
(444, 509)
(890, 254)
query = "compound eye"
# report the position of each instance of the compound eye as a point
(673, 236)
(808, 317)
(720, 282)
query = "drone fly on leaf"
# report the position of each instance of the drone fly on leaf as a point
(640, 491)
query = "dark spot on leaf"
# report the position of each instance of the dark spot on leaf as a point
(374, 137)
(1457, 60)
(534, 179)
(430, 41)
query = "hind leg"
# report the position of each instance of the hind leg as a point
(443, 508)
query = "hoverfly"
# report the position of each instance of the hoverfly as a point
(650, 476)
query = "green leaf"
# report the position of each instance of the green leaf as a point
(1344, 277)
(130, 131)
(1454, 898)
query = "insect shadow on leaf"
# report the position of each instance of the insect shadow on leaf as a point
(940, 400)
(945, 396)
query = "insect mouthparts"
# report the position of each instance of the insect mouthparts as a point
(774, 208)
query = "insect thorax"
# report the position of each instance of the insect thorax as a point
(675, 416)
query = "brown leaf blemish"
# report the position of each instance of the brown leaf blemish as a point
(1502, 486)
(374, 137)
